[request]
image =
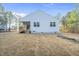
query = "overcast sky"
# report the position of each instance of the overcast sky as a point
(51, 8)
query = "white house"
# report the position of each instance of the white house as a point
(40, 22)
(3, 23)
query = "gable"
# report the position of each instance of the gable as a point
(38, 15)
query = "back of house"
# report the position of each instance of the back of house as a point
(40, 22)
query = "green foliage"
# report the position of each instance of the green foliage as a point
(9, 17)
(2, 17)
(71, 21)
(5, 17)
(2, 10)
(64, 21)
(72, 17)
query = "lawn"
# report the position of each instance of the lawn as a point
(15, 44)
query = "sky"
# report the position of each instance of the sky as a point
(51, 8)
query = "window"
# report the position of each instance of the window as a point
(36, 24)
(52, 24)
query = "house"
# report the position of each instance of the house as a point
(40, 22)
(3, 23)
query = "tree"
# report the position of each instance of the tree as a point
(9, 16)
(2, 9)
(2, 17)
(64, 27)
(5, 18)
(71, 21)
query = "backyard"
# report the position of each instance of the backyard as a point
(15, 44)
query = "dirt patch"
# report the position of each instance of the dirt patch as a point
(15, 44)
(71, 39)
(67, 37)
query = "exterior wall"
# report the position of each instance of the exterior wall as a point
(44, 19)
(44, 26)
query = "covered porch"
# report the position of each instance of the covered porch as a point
(24, 27)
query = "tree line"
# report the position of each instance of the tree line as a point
(5, 18)
(70, 22)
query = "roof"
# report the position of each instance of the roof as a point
(37, 14)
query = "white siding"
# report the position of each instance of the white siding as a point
(44, 26)
(44, 19)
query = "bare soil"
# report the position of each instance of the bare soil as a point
(15, 44)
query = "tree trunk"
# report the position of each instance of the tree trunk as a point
(9, 25)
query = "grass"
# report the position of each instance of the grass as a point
(15, 44)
